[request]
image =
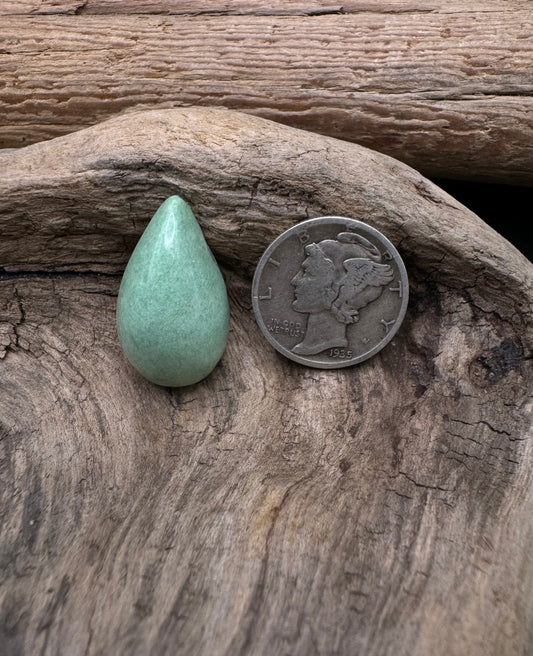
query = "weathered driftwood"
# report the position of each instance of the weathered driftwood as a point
(443, 86)
(272, 508)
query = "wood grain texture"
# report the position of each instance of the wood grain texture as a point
(243, 7)
(272, 508)
(445, 87)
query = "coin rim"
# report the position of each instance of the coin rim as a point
(360, 358)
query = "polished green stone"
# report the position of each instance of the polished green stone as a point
(172, 309)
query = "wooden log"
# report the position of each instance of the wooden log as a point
(445, 87)
(272, 508)
(244, 7)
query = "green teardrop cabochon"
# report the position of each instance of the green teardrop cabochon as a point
(172, 309)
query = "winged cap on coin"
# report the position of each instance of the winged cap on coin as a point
(338, 278)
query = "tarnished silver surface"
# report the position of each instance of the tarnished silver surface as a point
(330, 292)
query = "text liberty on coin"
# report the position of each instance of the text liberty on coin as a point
(330, 292)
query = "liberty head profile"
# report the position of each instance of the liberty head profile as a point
(337, 278)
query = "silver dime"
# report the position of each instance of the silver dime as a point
(330, 292)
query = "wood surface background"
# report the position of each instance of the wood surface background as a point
(272, 508)
(445, 86)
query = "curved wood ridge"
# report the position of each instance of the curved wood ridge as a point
(445, 87)
(272, 508)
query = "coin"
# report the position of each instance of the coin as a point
(330, 292)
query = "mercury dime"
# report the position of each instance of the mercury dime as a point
(330, 292)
